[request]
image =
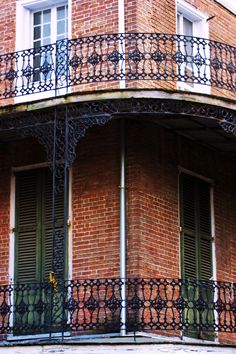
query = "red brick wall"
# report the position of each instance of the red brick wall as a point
(7, 26)
(96, 205)
(90, 18)
(7, 33)
(94, 17)
(152, 204)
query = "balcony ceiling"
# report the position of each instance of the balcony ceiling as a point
(206, 132)
(146, 105)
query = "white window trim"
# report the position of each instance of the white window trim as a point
(24, 20)
(200, 29)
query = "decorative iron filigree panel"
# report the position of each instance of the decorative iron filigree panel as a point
(112, 57)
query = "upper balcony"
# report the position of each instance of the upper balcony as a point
(129, 60)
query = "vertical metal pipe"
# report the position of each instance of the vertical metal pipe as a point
(121, 30)
(122, 228)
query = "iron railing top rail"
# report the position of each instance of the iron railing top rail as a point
(132, 279)
(116, 57)
(95, 305)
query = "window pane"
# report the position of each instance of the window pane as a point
(61, 14)
(37, 32)
(37, 60)
(37, 18)
(37, 44)
(47, 30)
(178, 23)
(61, 27)
(46, 16)
(47, 41)
(62, 36)
(188, 27)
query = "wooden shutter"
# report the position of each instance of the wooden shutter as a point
(195, 218)
(27, 227)
(188, 225)
(34, 225)
(47, 223)
(205, 239)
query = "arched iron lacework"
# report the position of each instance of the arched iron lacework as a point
(59, 129)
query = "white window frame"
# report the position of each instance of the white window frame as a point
(211, 182)
(200, 29)
(24, 21)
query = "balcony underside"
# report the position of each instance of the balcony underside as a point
(206, 120)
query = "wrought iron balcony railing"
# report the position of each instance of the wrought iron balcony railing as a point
(115, 57)
(95, 306)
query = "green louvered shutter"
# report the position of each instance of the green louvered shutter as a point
(188, 227)
(47, 223)
(196, 246)
(34, 250)
(34, 225)
(205, 239)
(195, 212)
(27, 227)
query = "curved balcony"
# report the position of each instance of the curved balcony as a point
(150, 57)
(156, 304)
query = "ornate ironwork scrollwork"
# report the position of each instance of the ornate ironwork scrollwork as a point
(146, 56)
(95, 304)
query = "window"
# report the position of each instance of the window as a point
(196, 251)
(44, 22)
(185, 27)
(33, 249)
(194, 55)
(49, 25)
(40, 23)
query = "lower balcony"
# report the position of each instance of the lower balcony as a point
(196, 308)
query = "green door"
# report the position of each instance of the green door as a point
(196, 255)
(33, 252)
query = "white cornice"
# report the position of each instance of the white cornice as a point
(228, 4)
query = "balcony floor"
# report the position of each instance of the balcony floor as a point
(141, 343)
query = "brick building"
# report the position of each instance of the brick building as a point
(117, 170)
